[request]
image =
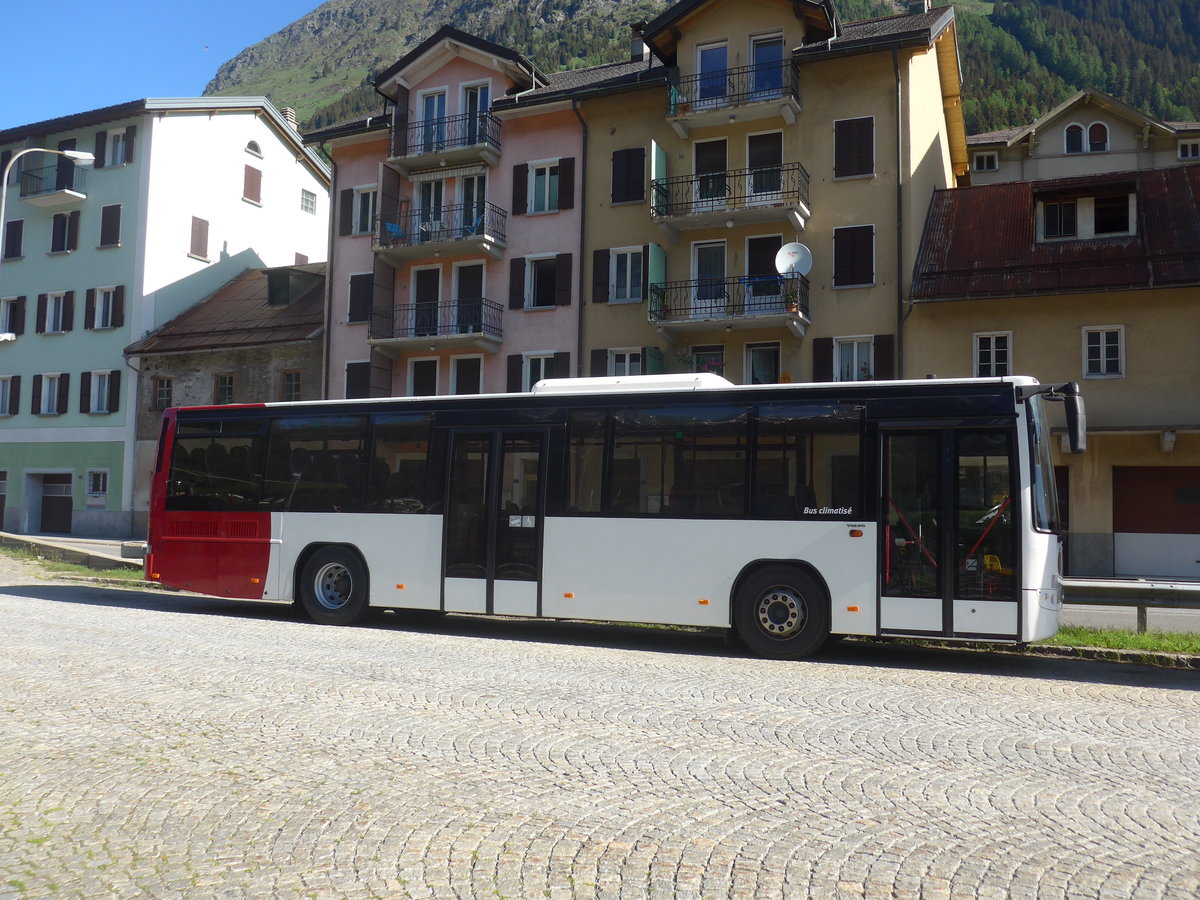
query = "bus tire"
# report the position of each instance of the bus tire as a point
(333, 587)
(780, 612)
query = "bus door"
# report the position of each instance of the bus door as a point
(492, 539)
(949, 553)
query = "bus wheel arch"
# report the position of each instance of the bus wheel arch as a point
(332, 584)
(781, 608)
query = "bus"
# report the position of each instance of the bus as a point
(788, 513)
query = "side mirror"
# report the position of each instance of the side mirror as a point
(1076, 417)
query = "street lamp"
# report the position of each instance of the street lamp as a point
(82, 157)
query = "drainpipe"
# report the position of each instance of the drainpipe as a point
(899, 216)
(325, 338)
(582, 220)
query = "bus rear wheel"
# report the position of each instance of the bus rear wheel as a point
(333, 587)
(781, 613)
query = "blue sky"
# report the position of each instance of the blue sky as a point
(66, 56)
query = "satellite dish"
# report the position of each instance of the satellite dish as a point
(793, 259)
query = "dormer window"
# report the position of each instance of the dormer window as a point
(1096, 138)
(1100, 211)
(985, 162)
(1189, 149)
(1074, 139)
(1060, 219)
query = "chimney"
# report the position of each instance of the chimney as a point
(637, 46)
(916, 7)
(289, 116)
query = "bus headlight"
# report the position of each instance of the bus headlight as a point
(1050, 599)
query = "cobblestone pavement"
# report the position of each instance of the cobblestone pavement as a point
(162, 746)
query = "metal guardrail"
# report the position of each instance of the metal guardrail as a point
(722, 192)
(48, 179)
(731, 87)
(1141, 593)
(441, 225)
(739, 297)
(421, 320)
(446, 133)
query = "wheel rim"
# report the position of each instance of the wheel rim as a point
(780, 613)
(333, 586)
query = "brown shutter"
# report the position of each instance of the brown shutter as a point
(864, 146)
(130, 135)
(520, 198)
(516, 284)
(64, 392)
(13, 232)
(101, 144)
(89, 310)
(18, 317)
(515, 366)
(885, 357)
(566, 183)
(358, 380)
(362, 289)
(85, 392)
(562, 279)
(346, 212)
(73, 230)
(199, 238)
(40, 321)
(853, 255)
(58, 232)
(599, 365)
(822, 352)
(118, 310)
(14, 395)
(620, 181)
(110, 225)
(252, 184)
(560, 365)
(842, 153)
(600, 263)
(114, 390)
(35, 406)
(68, 316)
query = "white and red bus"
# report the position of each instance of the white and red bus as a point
(788, 513)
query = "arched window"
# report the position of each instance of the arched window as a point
(1074, 139)
(253, 147)
(1097, 137)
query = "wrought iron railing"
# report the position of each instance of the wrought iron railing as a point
(446, 133)
(48, 179)
(421, 320)
(731, 87)
(461, 222)
(686, 195)
(728, 298)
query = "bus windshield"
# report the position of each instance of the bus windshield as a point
(1045, 495)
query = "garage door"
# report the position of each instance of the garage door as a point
(1156, 521)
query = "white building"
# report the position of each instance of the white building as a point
(184, 195)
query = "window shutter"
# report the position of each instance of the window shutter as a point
(566, 183)
(864, 146)
(73, 230)
(645, 271)
(635, 174)
(600, 262)
(40, 321)
(18, 319)
(101, 144)
(520, 198)
(362, 289)
(199, 238)
(620, 180)
(13, 232)
(822, 352)
(599, 364)
(58, 232)
(252, 184)
(652, 361)
(130, 134)
(118, 311)
(110, 225)
(14, 395)
(515, 365)
(64, 392)
(85, 392)
(346, 212)
(853, 255)
(560, 365)
(516, 284)
(562, 279)
(68, 317)
(358, 380)
(885, 357)
(35, 406)
(114, 390)
(89, 310)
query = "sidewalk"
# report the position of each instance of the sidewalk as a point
(92, 552)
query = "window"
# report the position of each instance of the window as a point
(625, 362)
(99, 392)
(854, 256)
(764, 154)
(55, 313)
(1073, 139)
(712, 63)
(1097, 138)
(12, 238)
(767, 56)
(1104, 352)
(423, 378)
(543, 187)
(709, 358)
(1111, 214)
(97, 487)
(626, 276)
(110, 225)
(116, 149)
(105, 308)
(1059, 219)
(223, 389)
(12, 315)
(993, 354)
(252, 185)
(985, 162)
(762, 363)
(466, 375)
(855, 359)
(50, 393)
(308, 202)
(64, 232)
(163, 394)
(199, 244)
(289, 388)
(538, 366)
(854, 147)
(1189, 149)
(541, 291)
(365, 201)
(10, 395)
(253, 149)
(629, 175)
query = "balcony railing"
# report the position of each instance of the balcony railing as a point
(447, 133)
(428, 320)
(721, 192)
(744, 296)
(732, 87)
(446, 224)
(53, 178)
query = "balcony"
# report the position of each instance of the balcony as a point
(744, 301)
(458, 324)
(53, 186)
(740, 197)
(747, 93)
(449, 141)
(463, 229)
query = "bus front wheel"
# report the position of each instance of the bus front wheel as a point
(333, 587)
(781, 613)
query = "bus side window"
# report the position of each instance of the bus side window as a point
(585, 460)
(806, 461)
(398, 468)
